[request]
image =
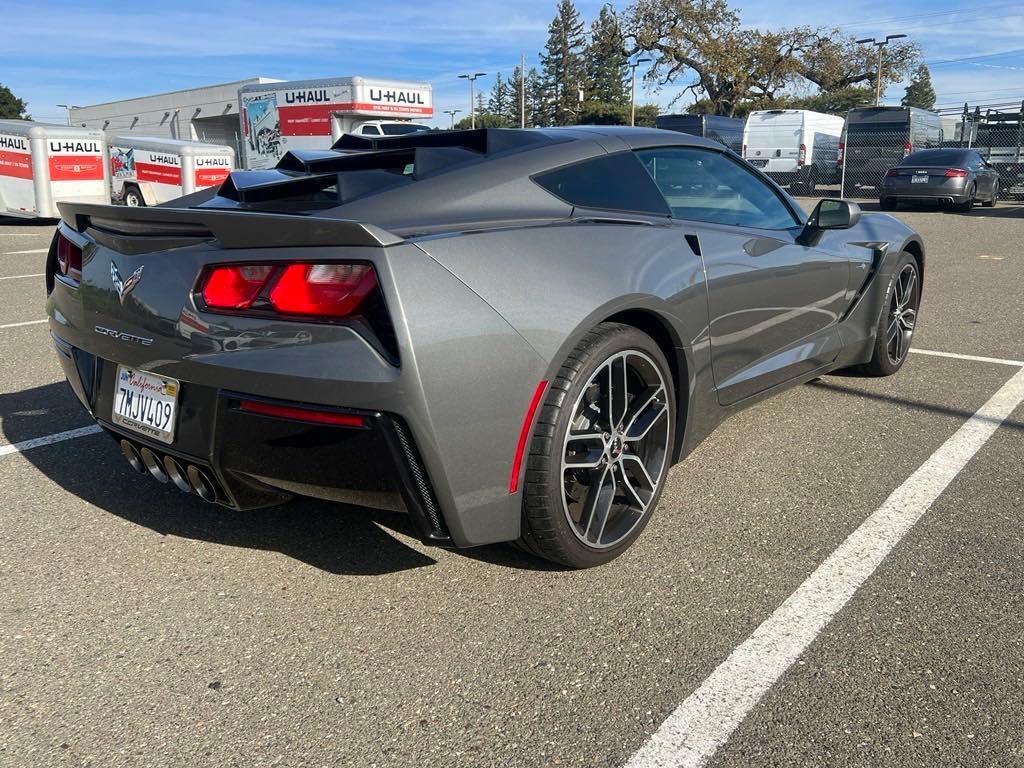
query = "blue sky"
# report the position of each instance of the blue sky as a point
(90, 52)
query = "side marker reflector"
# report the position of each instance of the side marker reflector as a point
(332, 418)
(524, 434)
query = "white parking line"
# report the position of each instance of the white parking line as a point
(973, 358)
(707, 718)
(21, 253)
(19, 277)
(59, 437)
(19, 325)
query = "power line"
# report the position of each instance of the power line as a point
(866, 22)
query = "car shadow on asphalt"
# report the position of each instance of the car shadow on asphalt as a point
(336, 538)
(1004, 210)
(906, 402)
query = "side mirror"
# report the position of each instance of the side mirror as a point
(834, 214)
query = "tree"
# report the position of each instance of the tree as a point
(920, 92)
(538, 101)
(732, 69)
(11, 107)
(500, 101)
(483, 120)
(603, 113)
(606, 62)
(562, 64)
(515, 99)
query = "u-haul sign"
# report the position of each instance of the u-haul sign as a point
(75, 159)
(15, 157)
(283, 116)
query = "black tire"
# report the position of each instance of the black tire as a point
(991, 203)
(882, 362)
(547, 530)
(887, 204)
(968, 204)
(133, 197)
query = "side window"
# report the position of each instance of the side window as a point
(615, 182)
(703, 185)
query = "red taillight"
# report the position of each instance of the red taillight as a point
(907, 148)
(524, 433)
(842, 154)
(891, 173)
(802, 159)
(315, 290)
(322, 290)
(69, 258)
(332, 418)
(956, 173)
(235, 287)
(744, 150)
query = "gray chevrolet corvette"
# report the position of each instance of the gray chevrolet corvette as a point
(511, 335)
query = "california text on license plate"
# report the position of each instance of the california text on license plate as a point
(145, 403)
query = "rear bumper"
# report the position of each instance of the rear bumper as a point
(257, 460)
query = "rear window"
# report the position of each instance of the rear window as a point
(613, 182)
(939, 157)
(402, 130)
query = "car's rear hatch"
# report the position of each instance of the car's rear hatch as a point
(773, 141)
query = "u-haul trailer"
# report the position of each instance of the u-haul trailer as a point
(313, 114)
(148, 171)
(41, 165)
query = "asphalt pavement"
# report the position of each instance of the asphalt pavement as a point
(140, 627)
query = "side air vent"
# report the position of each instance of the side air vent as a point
(423, 504)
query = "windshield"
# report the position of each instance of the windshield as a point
(401, 129)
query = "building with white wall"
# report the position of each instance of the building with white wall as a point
(209, 114)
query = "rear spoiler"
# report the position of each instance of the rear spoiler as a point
(138, 230)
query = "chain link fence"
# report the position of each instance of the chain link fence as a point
(852, 162)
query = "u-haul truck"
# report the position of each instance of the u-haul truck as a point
(313, 114)
(41, 165)
(149, 171)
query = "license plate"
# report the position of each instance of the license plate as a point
(145, 403)
(918, 179)
(759, 163)
(1017, 190)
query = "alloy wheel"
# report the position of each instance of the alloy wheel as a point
(615, 452)
(902, 314)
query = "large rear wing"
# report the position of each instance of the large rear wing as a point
(139, 230)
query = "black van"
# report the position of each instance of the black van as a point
(724, 130)
(877, 138)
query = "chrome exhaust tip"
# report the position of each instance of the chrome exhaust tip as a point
(201, 483)
(132, 454)
(152, 463)
(176, 472)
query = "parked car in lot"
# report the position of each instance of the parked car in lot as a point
(798, 148)
(958, 177)
(724, 130)
(510, 334)
(877, 138)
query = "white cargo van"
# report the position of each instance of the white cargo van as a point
(41, 165)
(796, 147)
(313, 114)
(148, 171)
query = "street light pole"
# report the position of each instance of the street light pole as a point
(472, 96)
(68, 107)
(880, 44)
(632, 90)
(453, 113)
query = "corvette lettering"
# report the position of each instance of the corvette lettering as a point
(121, 336)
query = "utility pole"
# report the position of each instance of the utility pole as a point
(879, 44)
(472, 96)
(632, 91)
(68, 107)
(452, 113)
(522, 90)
